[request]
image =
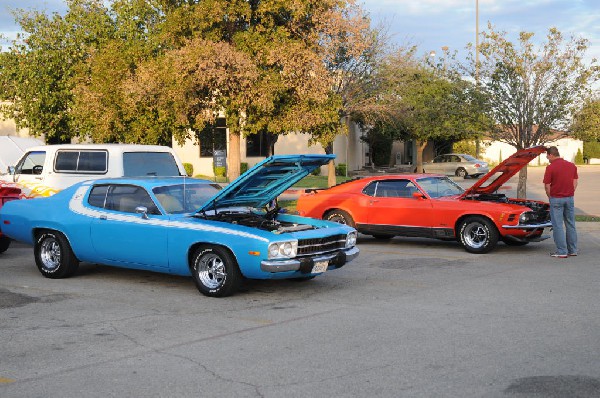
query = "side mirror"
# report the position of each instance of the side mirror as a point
(11, 170)
(418, 195)
(143, 210)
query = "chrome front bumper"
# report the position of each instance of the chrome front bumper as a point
(305, 264)
(529, 226)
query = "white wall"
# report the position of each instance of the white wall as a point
(498, 151)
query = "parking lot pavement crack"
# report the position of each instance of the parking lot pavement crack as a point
(164, 350)
(213, 373)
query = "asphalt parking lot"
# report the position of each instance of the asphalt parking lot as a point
(408, 318)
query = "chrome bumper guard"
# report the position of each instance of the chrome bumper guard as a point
(529, 226)
(305, 264)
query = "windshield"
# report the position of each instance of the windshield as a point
(437, 187)
(185, 198)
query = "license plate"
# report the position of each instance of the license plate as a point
(320, 266)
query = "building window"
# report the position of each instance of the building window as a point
(257, 144)
(212, 138)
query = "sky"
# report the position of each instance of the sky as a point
(433, 24)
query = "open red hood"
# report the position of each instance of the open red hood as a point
(498, 176)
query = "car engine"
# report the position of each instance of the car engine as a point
(541, 209)
(266, 222)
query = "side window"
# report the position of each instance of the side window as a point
(32, 163)
(93, 161)
(396, 189)
(455, 159)
(97, 196)
(81, 161)
(126, 198)
(438, 159)
(139, 164)
(370, 189)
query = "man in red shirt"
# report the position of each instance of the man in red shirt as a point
(560, 181)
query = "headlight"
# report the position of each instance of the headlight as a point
(287, 249)
(351, 239)
(526, 217)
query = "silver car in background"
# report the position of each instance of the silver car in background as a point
(456, 164)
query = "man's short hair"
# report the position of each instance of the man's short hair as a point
(553, 151)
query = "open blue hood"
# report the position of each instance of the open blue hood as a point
(266, 181)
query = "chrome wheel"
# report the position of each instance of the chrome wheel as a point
(475, 235)
(53, 255)
(215, 271)
(50, 254)
(211, 271)
(478, 234)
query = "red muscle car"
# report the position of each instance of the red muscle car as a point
(433, 206)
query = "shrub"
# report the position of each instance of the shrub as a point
(340, 169)
(243, 167)
(220, 171)
(316, 172)
(591, 149)
(579, 157)
(189, 169)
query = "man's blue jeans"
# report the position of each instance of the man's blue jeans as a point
(562, 214)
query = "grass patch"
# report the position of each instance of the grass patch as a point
(585, 218)
(211, 178)
(311, 181)
(289, 205)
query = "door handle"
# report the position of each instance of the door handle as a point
(103, 217)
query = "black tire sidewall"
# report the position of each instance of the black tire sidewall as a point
(491, 235)
(67, 264)
(232, 274)
(339, 214)
(4, 243)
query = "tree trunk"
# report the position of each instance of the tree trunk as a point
(233, 156)
(331, 181)
(522, 187)
(419, 161)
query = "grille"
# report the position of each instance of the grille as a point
(321, 245)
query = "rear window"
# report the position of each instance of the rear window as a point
(93, 162)
(138, 164)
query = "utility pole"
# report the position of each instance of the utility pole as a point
(477, 144)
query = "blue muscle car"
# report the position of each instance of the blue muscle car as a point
(184, 226)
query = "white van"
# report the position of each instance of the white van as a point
(45, 170)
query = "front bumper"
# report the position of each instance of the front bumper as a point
(305, 264)
(547, 224)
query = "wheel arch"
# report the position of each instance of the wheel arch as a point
(192, 249)
(37, 231)
(463, 217)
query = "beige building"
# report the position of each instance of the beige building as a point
(349, 149)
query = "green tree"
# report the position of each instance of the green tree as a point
(532, 90)
(424, 103)
(37, 70)
(586, 123)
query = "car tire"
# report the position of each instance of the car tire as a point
(4, 243)
(215, 271)
(339, 216)
(478, 235)
(54, 256)
(460, 172)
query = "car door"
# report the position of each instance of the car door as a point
(436, 165)
(454, 162)
(30, 167)
(394, 208)
(120, 235)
